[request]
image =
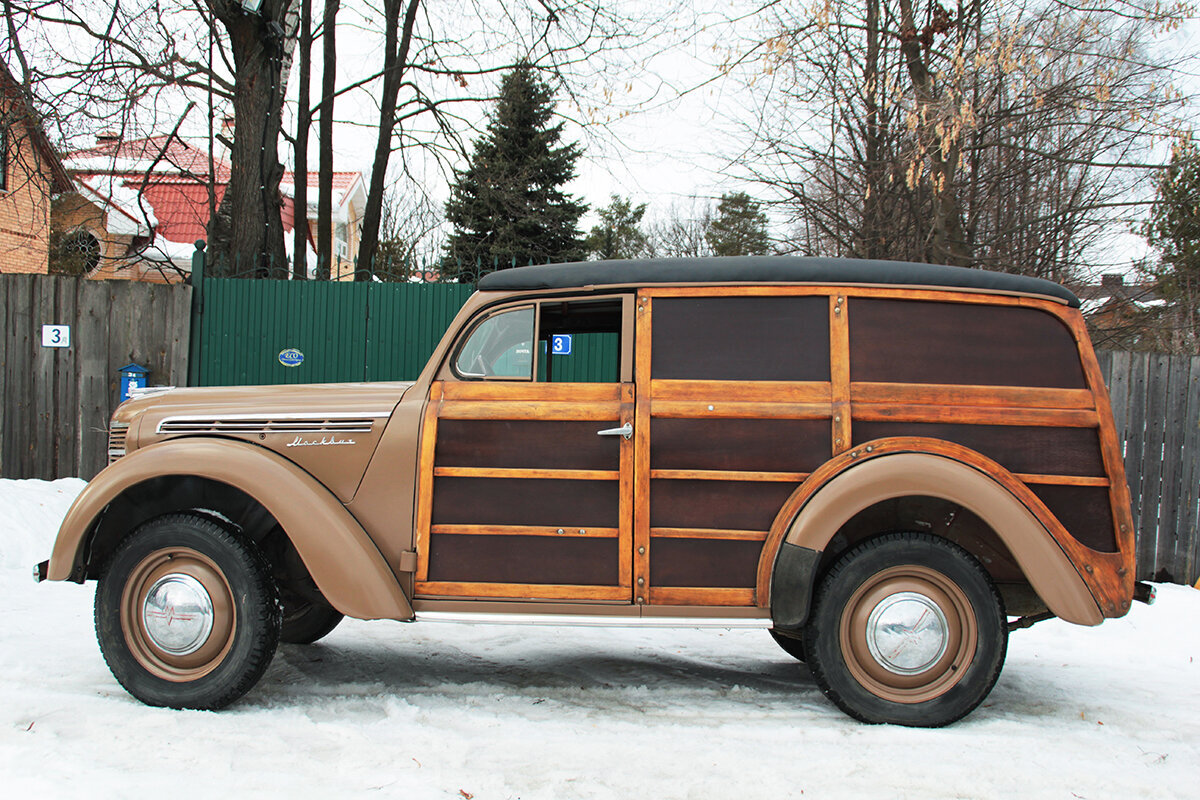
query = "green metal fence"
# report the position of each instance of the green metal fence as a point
(332, 330)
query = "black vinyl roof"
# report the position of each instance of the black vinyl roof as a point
(765, 269)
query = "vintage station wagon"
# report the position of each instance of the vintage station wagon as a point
(889, 466)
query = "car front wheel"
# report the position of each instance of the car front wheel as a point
(187, 614)
(907, 629)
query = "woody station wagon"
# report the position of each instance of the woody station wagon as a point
(888, 466)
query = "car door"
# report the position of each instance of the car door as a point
(526, 483)
(735, 408)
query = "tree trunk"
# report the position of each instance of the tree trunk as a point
(303, 123)
(325, 158)
(395, 62)
(948, 244)
(248, 232)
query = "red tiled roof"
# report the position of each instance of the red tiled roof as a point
(182, 210)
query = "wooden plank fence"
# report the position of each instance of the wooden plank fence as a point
(57, 401)
(1156, 407)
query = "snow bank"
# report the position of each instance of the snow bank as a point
(455, 711)
(30, 512)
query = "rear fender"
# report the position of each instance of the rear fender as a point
(894, 468)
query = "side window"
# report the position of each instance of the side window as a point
(741, 338)
(579, 341)
(500, 347)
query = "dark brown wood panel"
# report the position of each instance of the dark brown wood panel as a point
(704, 562)
(728, 505)
(741, 338)
(766, 445)
(1084, 511)
(527, 444)
(1027, 450)
(516, 501)
(524, 559)
(911, 341)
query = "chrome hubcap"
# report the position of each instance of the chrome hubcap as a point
(177, 614)
(907, 633)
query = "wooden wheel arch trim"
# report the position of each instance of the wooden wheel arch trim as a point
(903, 466)
(342, 559)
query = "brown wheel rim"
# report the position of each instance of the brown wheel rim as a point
(151, 605)
(908, 634)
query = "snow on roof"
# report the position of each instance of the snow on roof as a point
(126, 215)
(156, 155)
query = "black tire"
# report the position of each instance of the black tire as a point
(907, 629)
(305, 621)
(792, 645)
(154, 572)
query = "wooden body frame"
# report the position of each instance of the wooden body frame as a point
(1106, 577)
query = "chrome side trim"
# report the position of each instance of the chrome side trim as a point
(580, 621)
(333, 422)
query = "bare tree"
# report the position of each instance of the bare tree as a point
(986, 134)
(682, 232)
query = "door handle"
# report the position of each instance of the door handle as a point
(625, 430)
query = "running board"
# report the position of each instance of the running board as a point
(579, 621)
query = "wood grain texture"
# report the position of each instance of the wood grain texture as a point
(641, 447)
(839, 342)
(524, 530)
(679, 596)
(497, 472)
(425, 460)
(726, 475)
(517, 591)
(958, 395)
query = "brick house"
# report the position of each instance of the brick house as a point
(145, 202)
(31, 173)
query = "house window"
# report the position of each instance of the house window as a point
(340, 246)
(82, 250)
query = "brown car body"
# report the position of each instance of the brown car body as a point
(779, 414)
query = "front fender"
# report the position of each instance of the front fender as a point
(342, 559)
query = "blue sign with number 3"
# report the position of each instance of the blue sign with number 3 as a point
(560, 344)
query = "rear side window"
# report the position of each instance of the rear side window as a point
(915, 341)
(741, 338)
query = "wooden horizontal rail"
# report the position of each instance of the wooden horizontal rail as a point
(525, 530)
(1064, 480)
(672, 596)
(523, 390)
(522, 591)
(726, 475)
(529, 409)
(955, 395)
(737, 410)
(558, 474)
(742, 391)
(975, 415)
(707, 533)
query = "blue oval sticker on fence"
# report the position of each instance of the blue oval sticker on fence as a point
(291, 357)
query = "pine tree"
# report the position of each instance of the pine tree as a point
(618, 235)
(1174, 230)
(507, 206)
(739, 229)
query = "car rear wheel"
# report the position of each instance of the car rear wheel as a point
(907, 629)
(187, 614)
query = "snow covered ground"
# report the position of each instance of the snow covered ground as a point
(449, 711)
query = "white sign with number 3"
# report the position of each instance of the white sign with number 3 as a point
(56, 336)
